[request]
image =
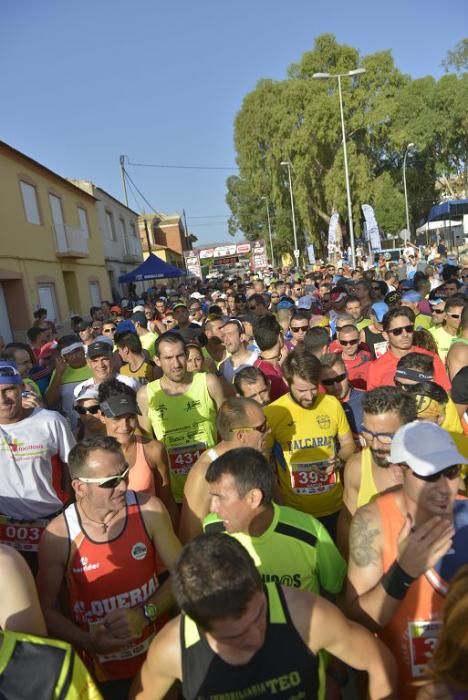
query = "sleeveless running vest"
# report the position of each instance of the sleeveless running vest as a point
(186, 424)
(104, 576)
(140, 476)
(283, 668)
(367, 487)
(412, 633)
(33, 668)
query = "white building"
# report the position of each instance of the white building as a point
(119, 231)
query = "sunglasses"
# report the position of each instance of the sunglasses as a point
(454, 315)
(109, 330)
(334, 380)
(383, 438)
(399, 331)
(438, 311)
(259, 428)
(82, 410)
(355, 341)
(449, 473)
(95, 328)
(299, 329)
(109, 482)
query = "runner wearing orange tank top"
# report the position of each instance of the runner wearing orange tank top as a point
(406, 545)
(104, 547)
(147, 459)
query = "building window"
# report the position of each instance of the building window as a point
(48, 300)
(133, 230)
(95, 293)
(83, 217)
(31, 206)
(110, 225)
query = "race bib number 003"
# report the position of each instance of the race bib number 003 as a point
(423, 638)
(182, 459)
(312, 478)
(23, 536)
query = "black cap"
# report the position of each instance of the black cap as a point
(100, 348)
(122, 405)
(83, 325)
(139, 317)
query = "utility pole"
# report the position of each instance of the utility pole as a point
(124, 182)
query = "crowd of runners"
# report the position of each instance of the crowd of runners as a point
(247, 488)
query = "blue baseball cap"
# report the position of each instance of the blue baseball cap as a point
(379, 309)
(411, 296)
(125, 327)
(285, 303)
(9, 373)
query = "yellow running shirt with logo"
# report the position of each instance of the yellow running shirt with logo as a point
(303, 439)
(185, 423)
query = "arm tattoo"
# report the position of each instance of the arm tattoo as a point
(361, 541)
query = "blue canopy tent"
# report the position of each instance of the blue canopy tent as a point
(453, 209)
(151, 269)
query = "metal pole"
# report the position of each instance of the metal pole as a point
(269, 231)
(296, 250)
(406, 196)
(348, 191)
(124, 182)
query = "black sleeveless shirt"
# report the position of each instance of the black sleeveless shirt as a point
(284, 668)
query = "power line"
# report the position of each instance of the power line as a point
(179, 167)
(139, 192)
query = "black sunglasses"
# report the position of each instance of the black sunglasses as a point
(355, 341)
(437, 311)
(399, 331)
(334, 380)
(82, 410)
(449, 473)
(297, 329)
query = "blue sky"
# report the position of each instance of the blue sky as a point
(83, 83)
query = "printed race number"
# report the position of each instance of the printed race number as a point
(23, 536)
(310, 479)
(182, 459)
(423, 639)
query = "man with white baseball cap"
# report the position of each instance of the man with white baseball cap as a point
(406, 545)
(70, 370)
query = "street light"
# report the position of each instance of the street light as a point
(269, 231)
(349, 74)
(287, 163)
(408, 148)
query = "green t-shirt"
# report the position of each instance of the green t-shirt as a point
(443, 340)
(296, 551)
(423, 321)
(147, 343)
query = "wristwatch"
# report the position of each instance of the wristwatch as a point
(151, 612)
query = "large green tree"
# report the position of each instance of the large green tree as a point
(298, 120)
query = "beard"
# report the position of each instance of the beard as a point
(381, 458)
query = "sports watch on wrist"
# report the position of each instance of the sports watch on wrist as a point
(151, 612)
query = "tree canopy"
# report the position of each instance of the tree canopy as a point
(298, 120)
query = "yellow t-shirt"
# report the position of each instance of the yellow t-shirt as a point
(147, 342)
(303, 439)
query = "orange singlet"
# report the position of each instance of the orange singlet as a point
(412, 633)
(104, 576)
(140, 476)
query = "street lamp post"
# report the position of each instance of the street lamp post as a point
(408, 148)
(350, 74)
(269, 231)
(287, 163)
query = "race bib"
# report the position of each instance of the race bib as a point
(311, 478)
(129, 651)
(380, 348)
(423, 638)
(23, 536)
(182, 459)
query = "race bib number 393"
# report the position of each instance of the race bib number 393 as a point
(183, 458)
(23, 536)
(312, 478)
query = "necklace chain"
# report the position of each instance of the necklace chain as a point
(105, 526)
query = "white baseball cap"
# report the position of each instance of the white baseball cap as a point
(425, 447)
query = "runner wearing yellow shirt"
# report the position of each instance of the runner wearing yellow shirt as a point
(445, 332)
(310, 438)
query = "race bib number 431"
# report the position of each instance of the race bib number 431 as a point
(312, 478)
(23, 536)
(183, 458)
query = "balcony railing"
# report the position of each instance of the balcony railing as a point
(70, 242)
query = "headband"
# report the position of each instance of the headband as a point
(414, 374)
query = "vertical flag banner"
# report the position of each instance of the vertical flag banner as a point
(332, 228)
(372, 228)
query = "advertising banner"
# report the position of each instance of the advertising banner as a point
(372, 228)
